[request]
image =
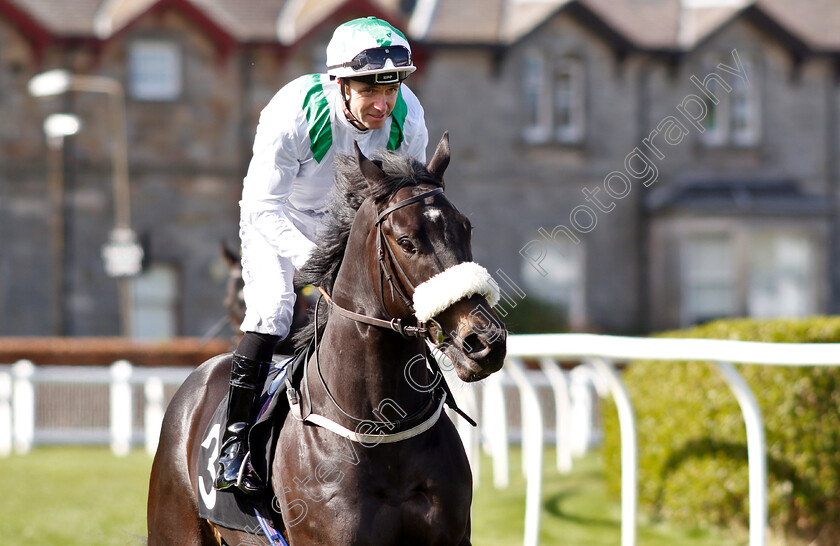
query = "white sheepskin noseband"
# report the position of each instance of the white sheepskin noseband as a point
(456, 283)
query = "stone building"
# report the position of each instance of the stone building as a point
(639, 164)
(645, 164)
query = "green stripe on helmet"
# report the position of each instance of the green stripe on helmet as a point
(379, 30)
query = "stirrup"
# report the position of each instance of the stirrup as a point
(247, 480)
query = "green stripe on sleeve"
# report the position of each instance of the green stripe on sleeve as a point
(317, 111)
(398, 116)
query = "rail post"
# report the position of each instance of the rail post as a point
(121, 408)
(756, 451)
(23, 405)
(559, 382)
(532, 438)
(5, 414)
(494, 427)
(629, 448)
(153, 414)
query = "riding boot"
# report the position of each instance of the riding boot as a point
(233, 466)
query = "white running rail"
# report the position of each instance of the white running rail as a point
(602, 352)
(19, 423)
(20, 429)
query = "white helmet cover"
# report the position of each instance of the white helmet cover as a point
(353, 37)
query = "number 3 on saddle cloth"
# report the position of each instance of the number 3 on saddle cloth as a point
(231, 508)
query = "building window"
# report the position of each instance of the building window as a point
(552, 94)
(558, 280)
(743, 108)
(155, 303)
(735, 118)
(155, 70)
(534, 90)
(760, 274)
(708, 279)
(568, 99)
(319, 57)
(781, 276)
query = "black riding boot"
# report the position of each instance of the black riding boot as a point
(244, 392)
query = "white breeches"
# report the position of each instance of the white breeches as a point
(269, 290)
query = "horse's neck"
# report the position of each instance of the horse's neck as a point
(365, 366)
(366, 369)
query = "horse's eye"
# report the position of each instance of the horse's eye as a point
(406, 245)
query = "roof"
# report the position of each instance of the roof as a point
(658, 25)
(720, 196)
(653, 25)
(276, 21)
(60, 18)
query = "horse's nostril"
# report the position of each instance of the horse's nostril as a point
(473, 344)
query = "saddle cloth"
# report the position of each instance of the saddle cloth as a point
(231, 508)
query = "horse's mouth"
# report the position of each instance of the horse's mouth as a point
(472, 366)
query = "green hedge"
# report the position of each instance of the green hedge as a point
(692, 440)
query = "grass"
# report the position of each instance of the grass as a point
(576, 511)
(85, 496)
(67, 496)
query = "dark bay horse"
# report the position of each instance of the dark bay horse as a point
(365, 456)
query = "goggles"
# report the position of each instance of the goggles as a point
(374, 58)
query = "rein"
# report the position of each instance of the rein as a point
(419, 422)
(394, 324)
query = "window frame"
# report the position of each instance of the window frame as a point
(541, 72)
(163, 82)
(745, 245)
(569, 259)
(724, 133)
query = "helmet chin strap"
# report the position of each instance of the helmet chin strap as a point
(354, 121)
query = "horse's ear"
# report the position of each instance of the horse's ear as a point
(370, 170)
(437, 165)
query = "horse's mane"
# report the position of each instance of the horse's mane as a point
(351, 189)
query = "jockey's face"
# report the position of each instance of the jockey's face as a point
(371, 104)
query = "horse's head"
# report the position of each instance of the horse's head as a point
(425, 268)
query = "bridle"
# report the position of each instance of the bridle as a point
(425, 417)
(383, 249)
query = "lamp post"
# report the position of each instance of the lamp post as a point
(122, 254)
(56, 128)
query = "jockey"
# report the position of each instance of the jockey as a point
(287, 189)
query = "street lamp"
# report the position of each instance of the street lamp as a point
(122, 254)
(56, 128)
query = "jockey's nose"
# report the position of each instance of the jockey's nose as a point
(380, 103)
